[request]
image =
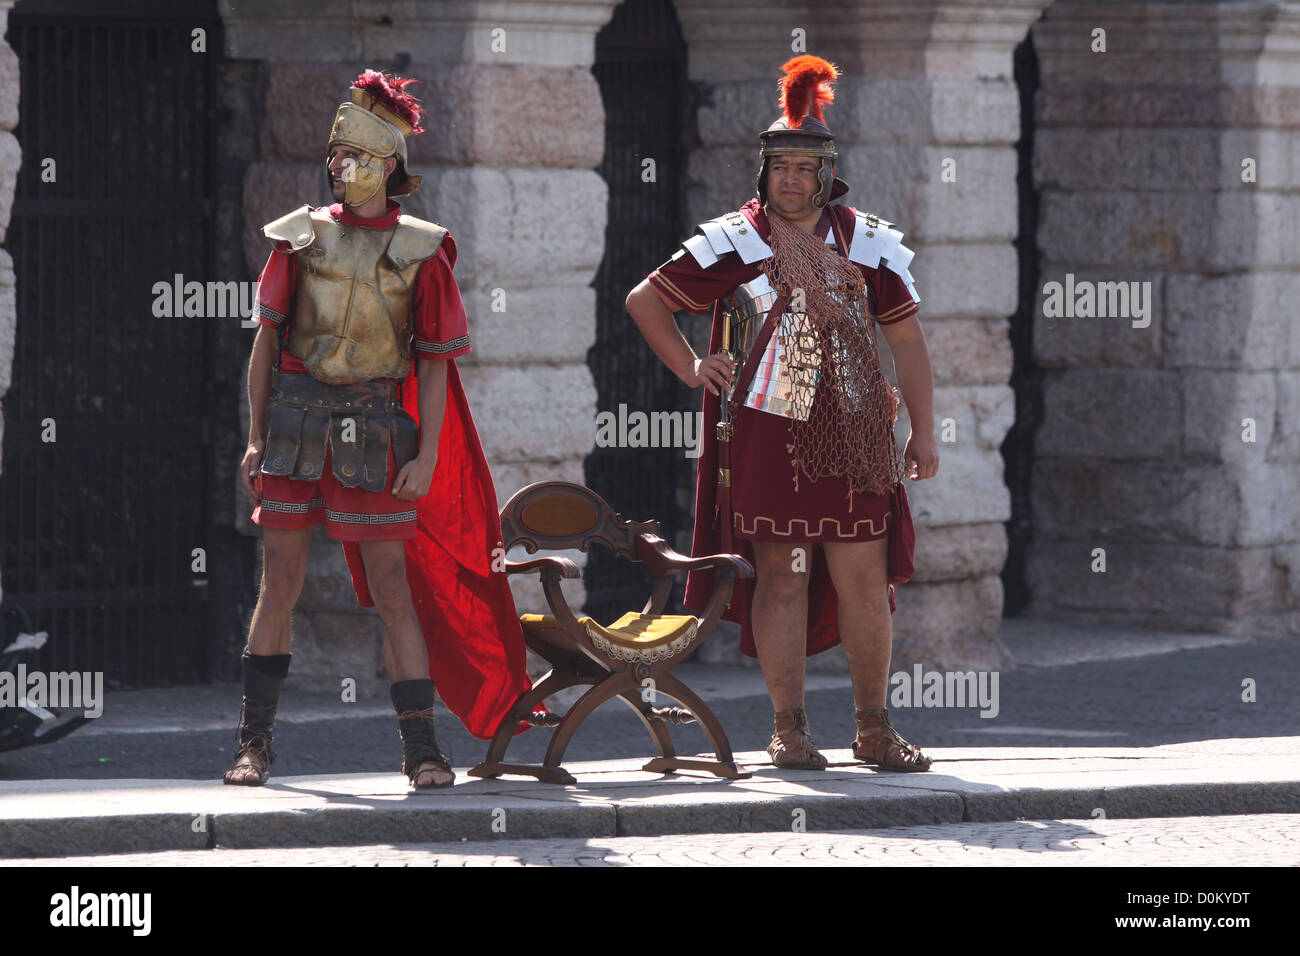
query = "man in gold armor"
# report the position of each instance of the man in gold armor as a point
(351, 294)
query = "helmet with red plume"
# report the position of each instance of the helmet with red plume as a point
(801, 130)
(376, 122)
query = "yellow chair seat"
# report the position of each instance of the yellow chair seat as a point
(644, 638)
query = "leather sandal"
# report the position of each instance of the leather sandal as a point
(878, 743)
(792, 745)
(254, 744)
(420, 748)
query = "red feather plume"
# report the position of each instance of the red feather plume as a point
(391, 92)
(806, 88)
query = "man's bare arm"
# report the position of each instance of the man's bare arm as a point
(654, 317)
(266, 349)
(916, 381)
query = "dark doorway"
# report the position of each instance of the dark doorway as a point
(99, 527)
(640, 65)
(1026, 376)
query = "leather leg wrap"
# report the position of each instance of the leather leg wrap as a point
(264, 676)
(413, 701)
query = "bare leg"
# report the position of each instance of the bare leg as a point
(284, 565)
(858, 570)
(779, 615)
(405, 653)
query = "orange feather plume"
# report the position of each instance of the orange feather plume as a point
(806, 88)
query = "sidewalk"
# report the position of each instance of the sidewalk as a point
(45, 818)
(1243, 772)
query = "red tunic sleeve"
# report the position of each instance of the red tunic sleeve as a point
(275, 287)
(893, 301)
(692, 288)
(441, 330)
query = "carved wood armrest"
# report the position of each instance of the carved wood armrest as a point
(564, 567)
(661, 559)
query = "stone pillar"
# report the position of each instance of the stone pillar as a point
(1171, 438)
(927, 87)
(514, 130)
(10, 162)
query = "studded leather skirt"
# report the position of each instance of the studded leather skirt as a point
(358, 423)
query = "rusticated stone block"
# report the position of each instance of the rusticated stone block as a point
(490, 114)
(9, 85)
(1111, 413)
(521, 324)
(977, 200)
(1179, 586)
(1092, 502)
(11, 159)
(949, 624)
(947, 273)
(1215, 406)
(959, 551)
(8, 320)
(1231, 322)
(513, 226)
(969, 351)
(536, 412)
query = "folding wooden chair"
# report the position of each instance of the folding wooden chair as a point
(620, 660)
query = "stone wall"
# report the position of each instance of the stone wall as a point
(514, 131)
(927, 86)
(1170, 158)
(10, 162)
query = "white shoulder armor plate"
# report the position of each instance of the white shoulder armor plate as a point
(875, 240)
(729, 233)
(295, 228)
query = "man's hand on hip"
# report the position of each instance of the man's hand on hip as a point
(714, 372)
(414, 479)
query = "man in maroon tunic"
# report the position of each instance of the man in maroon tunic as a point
(803, 476)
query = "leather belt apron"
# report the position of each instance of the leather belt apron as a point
(356, 423)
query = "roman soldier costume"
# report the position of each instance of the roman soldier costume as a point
(803, 444)
(355, 302)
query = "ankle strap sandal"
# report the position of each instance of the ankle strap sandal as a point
(792, 745)
(880, 744)
(413, 701)
(420, 748)
(254, 739)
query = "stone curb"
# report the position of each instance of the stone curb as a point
(613, 798)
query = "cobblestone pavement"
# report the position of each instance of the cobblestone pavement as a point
(1259, 840)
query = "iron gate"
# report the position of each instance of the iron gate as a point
(105, 489)
(640, 66)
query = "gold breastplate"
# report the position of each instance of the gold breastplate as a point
(352, 304)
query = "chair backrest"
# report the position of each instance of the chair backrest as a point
(560, 516)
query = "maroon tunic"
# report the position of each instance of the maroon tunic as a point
(770, 500)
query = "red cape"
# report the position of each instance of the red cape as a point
(466, 611)
(823, 616)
